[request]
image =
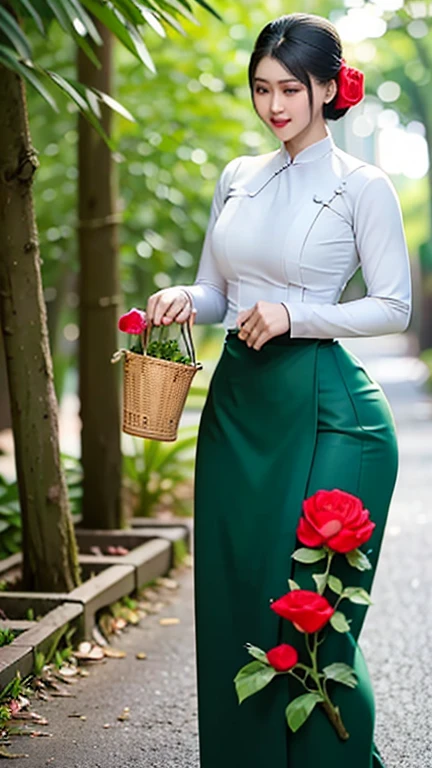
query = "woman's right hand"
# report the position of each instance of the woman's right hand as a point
(169, 305)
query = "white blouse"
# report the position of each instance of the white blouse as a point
(294, 232)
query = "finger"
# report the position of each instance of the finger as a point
(168, 309)
(183, 315)
(244, 315)
(261, 340)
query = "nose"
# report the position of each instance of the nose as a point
(276, 105)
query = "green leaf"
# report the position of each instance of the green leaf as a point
(115, 105)
(252, 678)
(12, 31)
(305, 555)
(28, 73)
(257, 653)
(320, 580)
(358, 559)
(293, 584)
(335, 585)
(34, 14)
(298, 710)
(339, 622)
(357, 595)
(342, 673)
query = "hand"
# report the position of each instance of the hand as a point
(262, 322)
(169, 305)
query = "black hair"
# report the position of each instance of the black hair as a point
(305, 45)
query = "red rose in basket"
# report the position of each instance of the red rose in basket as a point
(334, 519)
(133, 322)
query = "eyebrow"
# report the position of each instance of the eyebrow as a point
(289, 80)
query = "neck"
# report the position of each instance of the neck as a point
(302, 140)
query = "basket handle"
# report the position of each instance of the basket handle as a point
(185, 332)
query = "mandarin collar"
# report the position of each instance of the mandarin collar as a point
(311, 153)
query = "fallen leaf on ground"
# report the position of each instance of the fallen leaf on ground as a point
(125, 715)
(114, 653)
(10, 755)
(163, 581)
(106, 725)
(76, 714)
(86, 653)
(141, 655)
(167, 622)
(36, 734)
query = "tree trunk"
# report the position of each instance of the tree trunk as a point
(49, 549)
(99, 303)
(5, 416)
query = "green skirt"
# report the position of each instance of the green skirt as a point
(279, 424)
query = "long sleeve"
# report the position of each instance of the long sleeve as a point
(209, 292)
(383, 255)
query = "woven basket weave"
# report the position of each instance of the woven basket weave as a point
(155, 391)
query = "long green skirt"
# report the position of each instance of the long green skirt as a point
(279, 424)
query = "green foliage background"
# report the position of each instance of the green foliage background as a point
(192, 117)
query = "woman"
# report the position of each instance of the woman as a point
(289, 410)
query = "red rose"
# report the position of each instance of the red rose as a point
(308, 611)
(283, 657)
(133, 321)
(335, 519)
(350, 83)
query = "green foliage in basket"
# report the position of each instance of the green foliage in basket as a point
(167, 349)
(159, 475)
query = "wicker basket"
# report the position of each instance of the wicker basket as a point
(155, 391)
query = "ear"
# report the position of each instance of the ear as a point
(331, 91)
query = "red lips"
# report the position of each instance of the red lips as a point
(279, 123)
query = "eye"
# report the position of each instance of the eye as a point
(291, 90)
(260, 89)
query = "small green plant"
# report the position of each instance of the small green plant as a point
(5, 715)
(16, 687)
(6, 637)
(159, 475)
(10, 518)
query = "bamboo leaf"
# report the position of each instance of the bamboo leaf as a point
(115, 105)
(12, 31)
(298, 710)
(31, 10)
(305, 555)
(153, 22)
(252, 678)
(75, 11)
(28, 73)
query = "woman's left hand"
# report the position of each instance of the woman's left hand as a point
(260, 323)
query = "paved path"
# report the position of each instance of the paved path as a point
(162, 730)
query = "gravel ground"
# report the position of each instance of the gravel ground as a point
(160, 691)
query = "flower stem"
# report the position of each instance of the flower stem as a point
(335, 719)
(331, 711)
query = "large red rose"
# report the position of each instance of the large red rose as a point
(133, 321)
(350, 83)
(307, 610)
(335, 519)
(283, 657)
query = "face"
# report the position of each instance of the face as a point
(282, 102)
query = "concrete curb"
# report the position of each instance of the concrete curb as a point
(113, 577)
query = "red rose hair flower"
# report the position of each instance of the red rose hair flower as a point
(335, 519)
(350, 82)
(307, 610)
(133, 322)
(283, 657)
